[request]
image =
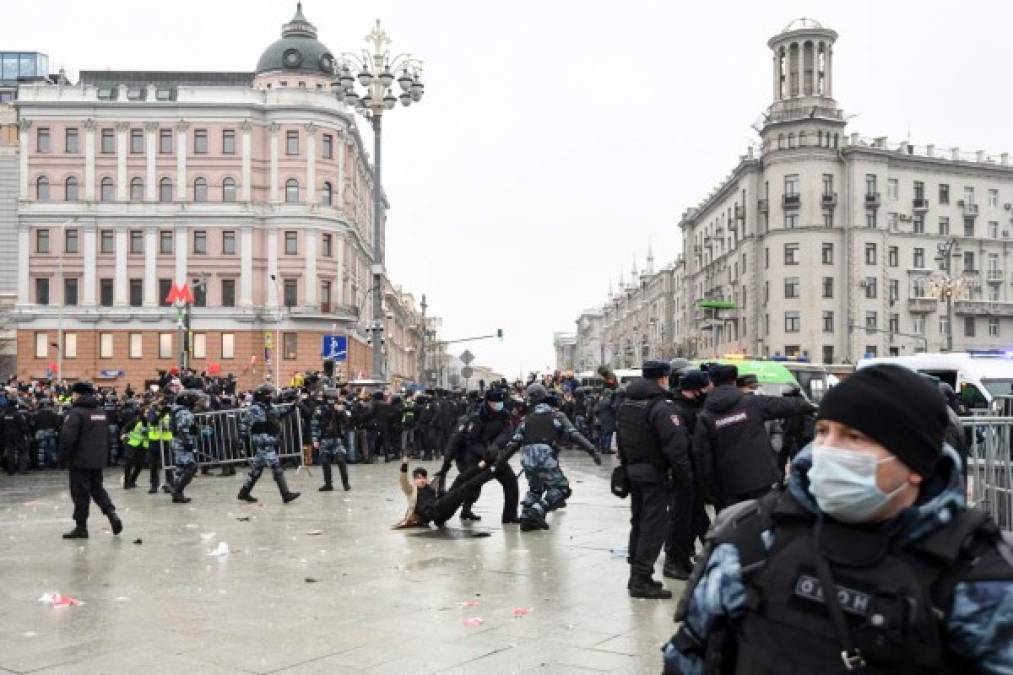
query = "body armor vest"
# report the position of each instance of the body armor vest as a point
(894, 596)
(539, 427)
(637, 437)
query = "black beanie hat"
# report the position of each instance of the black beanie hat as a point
(897, 408)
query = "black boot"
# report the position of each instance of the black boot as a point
(642, 586)
(657, 584)
(507, 520)
(286, 495)
(470, 515)
(343, 470)
(181, 482)
(79, 532)
(676, 569)
(115, 522)
(327, 487)
(153, 490)
(227, 470)
(244, 495)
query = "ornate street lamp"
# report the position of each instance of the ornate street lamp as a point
(374, 71)
(947, 287)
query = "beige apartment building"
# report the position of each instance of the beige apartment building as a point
(824, 244)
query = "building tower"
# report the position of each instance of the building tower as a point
(803, 112)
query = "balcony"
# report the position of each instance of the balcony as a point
(983, 308)
(792, 201)
(920, 205)
(970, 209)
(829, 200)
(921, 305)
(995, 276)
(763, 205)
(872, 200)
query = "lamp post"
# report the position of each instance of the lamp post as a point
(946, 286)
(376, 74)
(276, 351)
(63, 301)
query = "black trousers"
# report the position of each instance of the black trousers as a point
(648, 524)
(86, 485)
(154, 463)
(687, 522)
(447, 504)
(502, 473)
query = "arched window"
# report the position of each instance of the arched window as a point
(791, 140)
(229, 190)
(165, 190)
(780, 141)
(70, 189)
(200, 189)
(801, 139)
(42, 188)
(106, 189)
(136, 190)
(292, 191)
(326, 195)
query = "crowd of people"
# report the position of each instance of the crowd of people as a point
(865, 493)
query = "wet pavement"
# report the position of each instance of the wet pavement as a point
(322, 585)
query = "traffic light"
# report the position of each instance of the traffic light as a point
(499, 333)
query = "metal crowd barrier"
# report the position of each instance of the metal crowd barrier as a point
(220, 441)
(989, 467)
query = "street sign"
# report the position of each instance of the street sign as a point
(467, 372)
(467, 357)
(334, 347)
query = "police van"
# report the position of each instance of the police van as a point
(977, 376)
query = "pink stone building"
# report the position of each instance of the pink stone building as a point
(253, 188)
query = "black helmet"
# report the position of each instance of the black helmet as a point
(535, 393)
(264, 393)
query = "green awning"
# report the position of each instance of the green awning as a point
(717, 304)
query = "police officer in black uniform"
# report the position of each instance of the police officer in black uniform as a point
(687, 516)
(732, 454)
(479, 436)
(84, 447)
(15, 437)
(653, 448)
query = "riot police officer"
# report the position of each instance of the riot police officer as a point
(538, 437)
(184, 441)
(328, 427)
(868, 561)
(262, 421)
(652, 443)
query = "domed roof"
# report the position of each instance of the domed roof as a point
(298, 50)
(804, 23)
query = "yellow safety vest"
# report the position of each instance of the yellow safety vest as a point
(137, 435)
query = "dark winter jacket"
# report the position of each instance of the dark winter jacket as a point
(84, 441)
(731, 450)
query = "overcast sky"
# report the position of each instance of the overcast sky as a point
(556, 139)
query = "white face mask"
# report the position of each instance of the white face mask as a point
(844, 484)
